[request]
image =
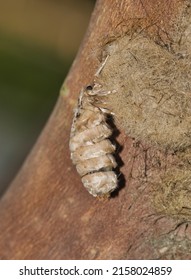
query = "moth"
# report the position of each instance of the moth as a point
(92, 151)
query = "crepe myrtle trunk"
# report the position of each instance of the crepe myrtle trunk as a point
(47, 213)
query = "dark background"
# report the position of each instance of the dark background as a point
(38, 42)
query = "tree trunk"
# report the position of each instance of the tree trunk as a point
(47, 213)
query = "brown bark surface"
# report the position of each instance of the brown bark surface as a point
(47, 214)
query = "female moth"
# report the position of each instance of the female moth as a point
(91, 150)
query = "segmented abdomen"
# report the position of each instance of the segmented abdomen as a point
(91, 150)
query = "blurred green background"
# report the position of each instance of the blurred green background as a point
(38, 42)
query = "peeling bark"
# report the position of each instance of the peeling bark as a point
(47, 214)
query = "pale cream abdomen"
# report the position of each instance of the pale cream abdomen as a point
(90, 146)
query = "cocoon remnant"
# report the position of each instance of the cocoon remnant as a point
(153, 84)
